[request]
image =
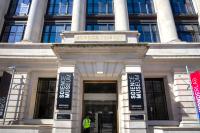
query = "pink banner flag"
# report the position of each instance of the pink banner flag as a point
(195, 82)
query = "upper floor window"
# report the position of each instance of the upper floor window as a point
(148, 32)
(60, 7)
(99, 7)
(51, 32)
(182, 7)
(188, 32)
(13, 32)
(140, 6)
(99, 27)
(19, 7)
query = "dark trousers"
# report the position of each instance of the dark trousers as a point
(86, 130)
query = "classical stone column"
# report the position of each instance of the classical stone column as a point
(126, 124)
(35, 21)
(165, 20)
(196, 4)
(78, 15)
(121, 15)
(4, 4)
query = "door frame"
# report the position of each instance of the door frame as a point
(101, 81)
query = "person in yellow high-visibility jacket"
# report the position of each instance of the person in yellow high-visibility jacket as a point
(86, 124)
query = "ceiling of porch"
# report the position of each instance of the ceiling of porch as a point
(100, 69)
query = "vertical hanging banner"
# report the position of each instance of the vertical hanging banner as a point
(64, 98)
(4, 88)
(195, 82)
(135, 91)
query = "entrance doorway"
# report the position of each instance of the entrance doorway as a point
(100, 103)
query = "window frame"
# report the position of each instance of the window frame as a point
(151, 24)
(36, 106)
(195, 35)
(10, 24)
(103, 23)
(12, 11)
(147, 3)
(164, 95)
(54, 5)
(179, 11)
(50, 24)
(99, 13)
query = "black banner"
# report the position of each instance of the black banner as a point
(135, 91)
(4, 88)
(64, 98)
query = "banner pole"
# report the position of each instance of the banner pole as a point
(191, 90)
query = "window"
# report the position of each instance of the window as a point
(15, 21)
(182, 7)
(140, 7)
(13, 32)
(188, 32)
(148, 32)
(19, 7)
(156, 99)
(45, 98)
(99, 7)
(60, 7)
(51, 32)
(100, 27)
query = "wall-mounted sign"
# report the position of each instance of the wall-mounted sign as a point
(64, 98)
(63, 116)
(4, 88)
(195, 82)
(136, 117)
(135, 91)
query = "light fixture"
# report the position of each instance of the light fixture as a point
(99, 67)
(100, 72)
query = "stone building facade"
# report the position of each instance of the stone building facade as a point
(99, 42)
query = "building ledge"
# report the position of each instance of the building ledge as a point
(27, 50)
(24, 126)
(163, 123)
(179, 50)
(171, 128)
(64, 50)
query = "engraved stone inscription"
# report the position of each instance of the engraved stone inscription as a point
(100, 38)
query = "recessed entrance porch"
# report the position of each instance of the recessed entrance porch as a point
(100, 103)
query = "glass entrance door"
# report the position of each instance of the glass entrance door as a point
(102, 115)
